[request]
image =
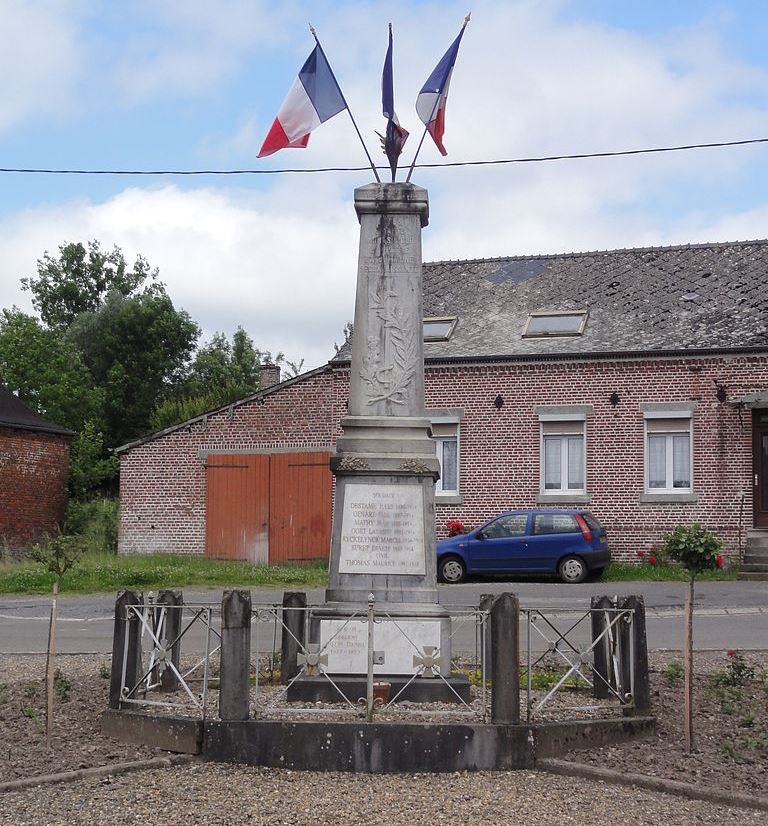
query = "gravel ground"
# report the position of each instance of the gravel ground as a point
(209, 793)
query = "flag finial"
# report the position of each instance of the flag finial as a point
(466, 19)
(312, 30)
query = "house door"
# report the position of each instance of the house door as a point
(760, 467)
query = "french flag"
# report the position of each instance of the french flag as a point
(430, 104)
(314, 98)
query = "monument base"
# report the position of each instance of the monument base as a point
(453, 689)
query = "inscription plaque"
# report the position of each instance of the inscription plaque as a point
(382, 530)
(346, 644)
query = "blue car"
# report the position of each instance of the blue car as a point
(570, 543)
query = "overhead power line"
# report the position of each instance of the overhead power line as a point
(498, 162)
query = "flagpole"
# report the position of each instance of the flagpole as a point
(426, 126)
(349, 111)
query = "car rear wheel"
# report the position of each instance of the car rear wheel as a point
(572, 569)
(451, 569)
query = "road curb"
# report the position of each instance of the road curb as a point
(96, 771)
(656, 784)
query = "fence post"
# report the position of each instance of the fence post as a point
(602, 679)
(235, 654)
(485, 604)
(126, 631)
(294, 605)
(639, 653)
(505, 659)
(173, 602)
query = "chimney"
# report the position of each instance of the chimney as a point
(270, 375)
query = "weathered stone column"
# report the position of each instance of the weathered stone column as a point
(235, 655)
(383, 541)
(602, 679)
(126, 631)
(639, 650)
(505, 659)
(173, 602)
(294, 615)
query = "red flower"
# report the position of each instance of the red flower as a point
(640, 552)
(454, 527)
(719, 560)
(729, 653)
(652, 560)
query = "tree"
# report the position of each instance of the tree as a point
(79, 280)
(697, 550)
(47, 371)
(137, 349)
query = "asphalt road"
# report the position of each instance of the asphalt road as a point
(728, 614)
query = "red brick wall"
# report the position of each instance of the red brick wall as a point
(163, 481)
(33, 485)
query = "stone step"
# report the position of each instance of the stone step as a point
(756, 556)
(754, 566)
(757, 540)
(755, 576)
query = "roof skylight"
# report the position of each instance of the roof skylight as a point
(555, 323)
(439, 329)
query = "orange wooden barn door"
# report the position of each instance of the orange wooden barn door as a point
(237, 507)
(300, 506)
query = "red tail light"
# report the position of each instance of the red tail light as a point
(585, 531)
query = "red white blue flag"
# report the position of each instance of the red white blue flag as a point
(314, 98)
(430, 104)
(395, 136)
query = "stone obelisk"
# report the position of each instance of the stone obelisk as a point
(383, 540)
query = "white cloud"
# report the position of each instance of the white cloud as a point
(280, 265)
(40, 60)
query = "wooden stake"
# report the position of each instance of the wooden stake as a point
(49, 663)
(688, 655)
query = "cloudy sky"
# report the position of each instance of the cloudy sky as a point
(194, 84)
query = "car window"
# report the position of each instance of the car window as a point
(512, 525)
(592, 522)
(554, 523)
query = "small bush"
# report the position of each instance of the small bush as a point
(696, 549)
(96, 522)
(61, 686)
(674, 672)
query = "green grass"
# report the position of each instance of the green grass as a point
(102, 572)
(629, 572)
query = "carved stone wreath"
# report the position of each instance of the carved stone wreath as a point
(353, 463)
(414, 465)
(389, 381)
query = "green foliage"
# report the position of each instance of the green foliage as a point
(628, 572)
(737, 672)
(105, 672)
(58, 555)
(90, 466)
(47, 371)
(61, 686)
(95, 522)
(674, 672)
(136, 349)
(99, 573)
(696, 549)
(77, 281)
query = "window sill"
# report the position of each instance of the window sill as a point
(669, 498)
(448, 499)
(563, 498)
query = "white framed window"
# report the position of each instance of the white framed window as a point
(555, 323)
(445, 425)
(668, 452)
(563, 452)
(448, 458)
(562, 457)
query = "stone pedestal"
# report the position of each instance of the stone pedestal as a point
(383, 540)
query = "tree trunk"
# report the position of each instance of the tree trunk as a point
(49, 663)
(688, 655)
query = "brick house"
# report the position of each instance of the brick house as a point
(34, 466)
(634, 382)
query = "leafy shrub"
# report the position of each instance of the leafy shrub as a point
(675, 672)
(61, 686)
(96, 522)
(58, 554)
(694, 548)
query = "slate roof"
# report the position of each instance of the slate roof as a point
(14, 413)
(697, 297)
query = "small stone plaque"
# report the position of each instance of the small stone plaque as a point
(382, 530)
(400, 640)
